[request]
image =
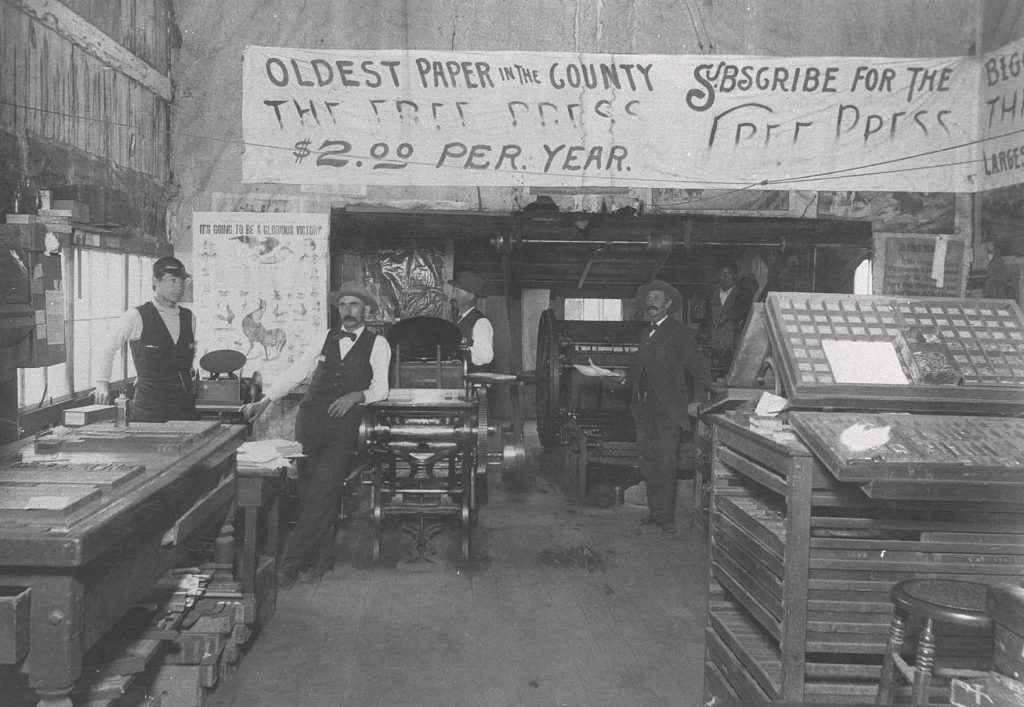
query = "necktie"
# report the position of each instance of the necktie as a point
(347, 335)
(650, 332)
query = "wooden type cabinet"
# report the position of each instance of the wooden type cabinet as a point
(802, 564)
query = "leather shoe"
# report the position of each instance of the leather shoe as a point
(311, 576)
(648, 520)
(668, 528)
(286, 576)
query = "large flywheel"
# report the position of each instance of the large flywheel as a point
(548, 369)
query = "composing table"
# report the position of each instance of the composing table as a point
(90, 519)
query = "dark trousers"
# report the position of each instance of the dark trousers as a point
(160, 402)
(657, 439)
(320, 490)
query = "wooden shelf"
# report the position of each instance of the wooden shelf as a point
(802, 566)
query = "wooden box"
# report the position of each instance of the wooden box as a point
(14, 624)
(87, 414)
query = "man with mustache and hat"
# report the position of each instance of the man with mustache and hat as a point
(660, 403)
(161, 336)
(347, 367)
(467, 288)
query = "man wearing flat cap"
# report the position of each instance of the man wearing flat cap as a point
(162, 339)
(467, 288)
(661, 403)
(347, 367)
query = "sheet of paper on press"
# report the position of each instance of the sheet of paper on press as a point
(594, 370)
(873, 362)
(770, 404)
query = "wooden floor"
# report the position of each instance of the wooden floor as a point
(564, 605)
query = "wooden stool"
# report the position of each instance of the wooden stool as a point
(945, 601)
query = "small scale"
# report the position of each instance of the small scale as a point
(224, 390)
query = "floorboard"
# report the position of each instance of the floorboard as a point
(562, 604)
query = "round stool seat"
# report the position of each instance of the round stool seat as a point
(944, 600)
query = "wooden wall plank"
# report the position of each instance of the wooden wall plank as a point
(44, 75)
(32, 118)
(95, 39)
(7, 29)
(68, 91)
(81, 100)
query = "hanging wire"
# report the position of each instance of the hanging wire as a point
(700, 15)
(696, 32)
(841, 173)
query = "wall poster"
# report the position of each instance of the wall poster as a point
(920, 265)
(260, 284)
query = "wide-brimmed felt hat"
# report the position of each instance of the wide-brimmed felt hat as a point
(352, 288)
(468, 281)
(670, 292)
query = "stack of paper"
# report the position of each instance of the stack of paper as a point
(267, 453)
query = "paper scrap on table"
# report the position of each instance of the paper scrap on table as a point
(46, 503)
(859, 437)
(594, 370)
(770, 404)
(874, 362)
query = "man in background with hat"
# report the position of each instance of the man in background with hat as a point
(347, 367)
(660, 402)
(467, 288)
(162, 339)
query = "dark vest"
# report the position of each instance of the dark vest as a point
(333, 378)
(466, 327)
(163, 389)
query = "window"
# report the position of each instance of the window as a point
(862, 279)
(104, 285)
(598, 310)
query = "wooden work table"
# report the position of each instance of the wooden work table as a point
(92, 517)
(807, 540)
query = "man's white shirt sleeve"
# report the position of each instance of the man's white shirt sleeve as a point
(304, 366)
(301, 369)
(380, 362)
(482, 351)
(128, 329)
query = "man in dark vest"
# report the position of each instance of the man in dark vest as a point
(347, 367)
(661, 402)
(477, 332)
(162, 339)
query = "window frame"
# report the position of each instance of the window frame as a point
(600, 303)
(71, 263)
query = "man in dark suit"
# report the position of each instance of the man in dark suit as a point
(729, 307)
(661, 400)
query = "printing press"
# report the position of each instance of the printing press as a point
(430, 447)
(897, 456)
(587, 415)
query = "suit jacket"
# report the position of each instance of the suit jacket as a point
(661, 365)
(726, 317)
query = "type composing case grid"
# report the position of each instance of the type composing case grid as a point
(917, 350)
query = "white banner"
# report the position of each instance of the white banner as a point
(1002, 116)
(554, 119)
(260, 284)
